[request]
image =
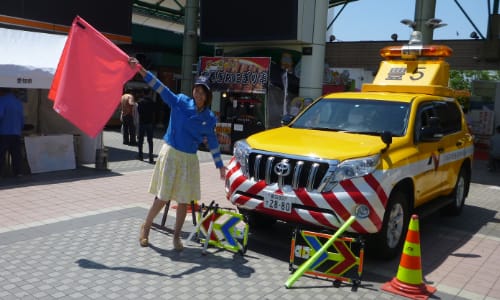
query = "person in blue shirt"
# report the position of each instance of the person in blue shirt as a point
(11, 127)
(176, 175)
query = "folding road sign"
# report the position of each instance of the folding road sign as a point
(343, 260)
(230, 231)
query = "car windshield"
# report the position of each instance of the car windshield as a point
(362, 116)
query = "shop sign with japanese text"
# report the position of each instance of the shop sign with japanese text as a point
(237, 74)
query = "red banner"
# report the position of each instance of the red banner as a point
(237, 74)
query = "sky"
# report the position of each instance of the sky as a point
(359, 22)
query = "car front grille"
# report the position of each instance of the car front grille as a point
(297, 172)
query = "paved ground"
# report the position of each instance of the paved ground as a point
(73, 234)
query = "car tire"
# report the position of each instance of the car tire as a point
(388, 242)
(458, 195)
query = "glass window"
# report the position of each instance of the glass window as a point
(449, 116)
(355, 115)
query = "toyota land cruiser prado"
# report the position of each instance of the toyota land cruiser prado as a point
(400, 145)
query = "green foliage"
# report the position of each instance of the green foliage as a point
(462, 80)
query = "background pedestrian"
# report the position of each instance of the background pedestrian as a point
(146, 111)
(127, 118)
(11, 127)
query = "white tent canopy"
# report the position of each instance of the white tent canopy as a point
(29, 59)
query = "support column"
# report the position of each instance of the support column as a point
(425, 10)
(312, 65)
(189, 46)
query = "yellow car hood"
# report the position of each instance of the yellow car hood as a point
(316, 143)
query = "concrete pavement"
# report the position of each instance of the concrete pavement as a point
(73, 234)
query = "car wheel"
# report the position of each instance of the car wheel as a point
(388, 242)
(458, 195)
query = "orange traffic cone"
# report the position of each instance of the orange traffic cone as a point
(408, 282)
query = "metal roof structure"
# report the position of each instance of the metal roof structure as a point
(169, 14)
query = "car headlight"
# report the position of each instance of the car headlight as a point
(356, 167)
(241, 151)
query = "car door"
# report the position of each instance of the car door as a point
(429, 176)
(453, 143)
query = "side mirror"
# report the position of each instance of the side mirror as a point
(286, 119)
(386, 137)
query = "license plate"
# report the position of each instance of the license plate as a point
(277, 202)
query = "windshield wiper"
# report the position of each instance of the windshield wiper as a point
(366, 132)
(326, 129)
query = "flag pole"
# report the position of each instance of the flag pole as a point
(285, 91)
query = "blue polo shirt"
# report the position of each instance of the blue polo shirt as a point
(11, 115)
(187, 126)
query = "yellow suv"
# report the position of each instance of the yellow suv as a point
(398, 147)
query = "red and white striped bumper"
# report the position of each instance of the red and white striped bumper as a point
(330, 209)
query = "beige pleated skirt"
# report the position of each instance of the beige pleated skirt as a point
(176, 176)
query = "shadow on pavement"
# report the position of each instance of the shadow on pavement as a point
(89, 264)
(118, 154)
(481, 175)
(80, 173)
(441, 237)
(237, 263)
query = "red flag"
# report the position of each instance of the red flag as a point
(89, 79)
(60, 66)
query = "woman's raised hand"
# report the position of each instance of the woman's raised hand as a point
(134, 64)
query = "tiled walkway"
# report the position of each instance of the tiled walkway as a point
(73, 235)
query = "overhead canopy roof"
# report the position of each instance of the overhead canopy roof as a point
(29, 59)
(169, 14)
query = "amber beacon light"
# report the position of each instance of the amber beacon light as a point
(415, 51)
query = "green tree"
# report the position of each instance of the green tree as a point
(462, 80)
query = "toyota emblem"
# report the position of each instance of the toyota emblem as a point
(282, 168)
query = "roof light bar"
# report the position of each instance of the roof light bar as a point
(415, 51)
